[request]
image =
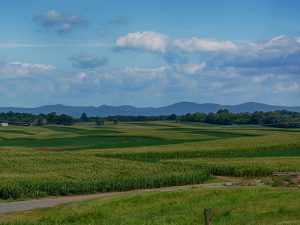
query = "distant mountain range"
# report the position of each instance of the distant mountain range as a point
(177, 108)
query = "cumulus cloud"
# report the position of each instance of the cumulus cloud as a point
(136, 79)
(204, 45)
(20, 69)
(147, 40)
(287, 88)
(184, 69)
(119, 20)
(88, 61)
(59, 22)
(279, 51)
(118, 80)
(158, 42)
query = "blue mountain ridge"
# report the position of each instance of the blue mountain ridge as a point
(177, 108)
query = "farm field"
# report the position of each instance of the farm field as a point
(81, 159)
(234, 205)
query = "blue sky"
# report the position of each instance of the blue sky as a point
(149, 53)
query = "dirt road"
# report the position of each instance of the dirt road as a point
(54, 201)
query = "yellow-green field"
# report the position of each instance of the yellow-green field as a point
(57, 160)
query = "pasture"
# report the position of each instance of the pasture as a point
(251, 205)
(83, 158)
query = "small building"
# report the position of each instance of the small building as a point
(4, 124)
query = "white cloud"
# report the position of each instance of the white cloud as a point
(204, 45)
(171, 81)
(183, 69)
(287, 88)
(278, 52)
(29, 66)
(147, 40)
(157, 42)
(136, 78)
(21, 69)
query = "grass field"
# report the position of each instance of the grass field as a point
(58, 160)
(231, 206)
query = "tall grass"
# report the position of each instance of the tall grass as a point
(252, 206)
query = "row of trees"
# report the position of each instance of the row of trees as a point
(100, 120)
(281, 118)
(17, 118)
(53, 118)
(41, 119)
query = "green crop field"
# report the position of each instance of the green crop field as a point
(81, 159)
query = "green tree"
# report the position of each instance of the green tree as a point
(84, 117)
(172, 117)
(224, 117)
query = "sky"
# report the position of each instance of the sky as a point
(149, 52)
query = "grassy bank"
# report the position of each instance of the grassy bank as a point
(231, 206)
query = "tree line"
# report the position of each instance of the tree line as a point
(282, 118)
(31, 119)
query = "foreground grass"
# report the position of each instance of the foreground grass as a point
(250, 205)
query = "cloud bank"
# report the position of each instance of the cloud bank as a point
(196, 69)
(281, 50)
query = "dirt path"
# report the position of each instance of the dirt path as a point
(54, 201)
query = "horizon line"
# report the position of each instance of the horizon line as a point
(61, 104)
